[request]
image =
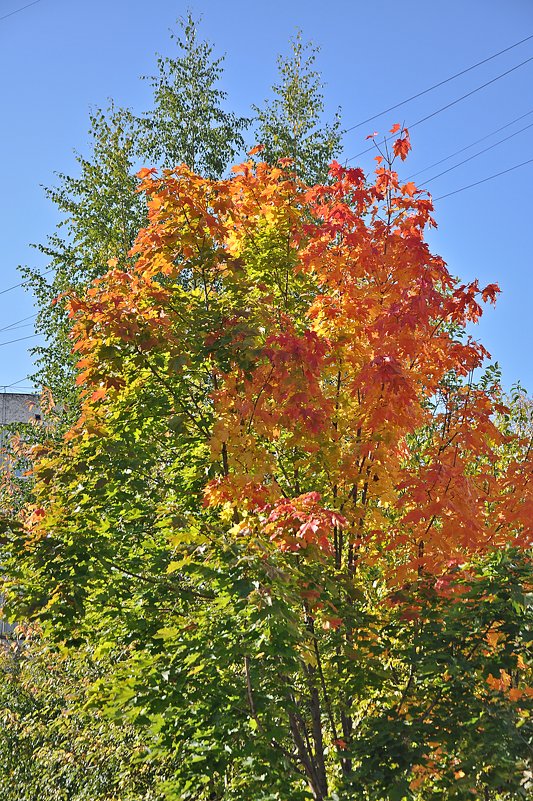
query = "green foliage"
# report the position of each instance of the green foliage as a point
(188, 122)
(290, 125)
(54, 749)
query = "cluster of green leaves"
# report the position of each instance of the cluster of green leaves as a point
(51, 746)
(289, 124)
(215, 667)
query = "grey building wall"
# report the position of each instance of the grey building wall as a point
(15, 407)
(18, 407)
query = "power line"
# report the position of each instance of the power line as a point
(22, 283)
(31, 336)
(16, 327)
(449, 105)
(467, 147)
(16, 323)
(479, 153)
(472, 92)
(436, 85)
(18, 10)
(15, 383)
(484, 180)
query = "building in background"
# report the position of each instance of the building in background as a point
(15, 407)
(18, 407)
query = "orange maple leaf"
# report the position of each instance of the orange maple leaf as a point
(409, 188)
(145, 172)
(98, 393)
(402, 146)
(490, 292)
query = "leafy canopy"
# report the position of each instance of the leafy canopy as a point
(286, 503)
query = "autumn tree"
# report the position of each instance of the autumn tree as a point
(100, 211)
(287, 504)
(100, 215)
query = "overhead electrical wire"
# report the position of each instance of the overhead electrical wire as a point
(16, 327)
(448, 105)
(15, 324)
(10, 342)
(479, 153)
(18, 10)
(472, 91)
(22, 283)
(484, 180)
(15, 383)
(467, 147)
(436, 85)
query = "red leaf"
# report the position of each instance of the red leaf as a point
(490, 292)
(402, 146)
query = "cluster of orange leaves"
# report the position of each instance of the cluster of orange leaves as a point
(314, 439)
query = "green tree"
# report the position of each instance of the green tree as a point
(188, 122)
(291, 123)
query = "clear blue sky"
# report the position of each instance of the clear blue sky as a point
(59, 57)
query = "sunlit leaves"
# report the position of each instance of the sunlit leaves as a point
(287, 500)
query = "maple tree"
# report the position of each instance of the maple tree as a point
(98, 208)
(287, 507)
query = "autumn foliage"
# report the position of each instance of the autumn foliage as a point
(283, 377)
(330, 345)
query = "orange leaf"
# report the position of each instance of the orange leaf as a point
(145, 172)
(409, 188)
(490, 292)
(402, 146)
